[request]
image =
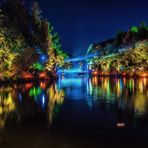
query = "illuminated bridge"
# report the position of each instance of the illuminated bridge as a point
(79, 64)
(82, 58)
(82, 64)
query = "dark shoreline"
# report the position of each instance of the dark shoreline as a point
(119, 76)
(22, 81)
(52, 78)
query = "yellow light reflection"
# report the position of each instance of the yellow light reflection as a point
(145, 82)
(7, 105)
(119, 91)
(141, 86)
(56, 97)
(140, 104)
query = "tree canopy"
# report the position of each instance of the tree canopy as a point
(26, 38)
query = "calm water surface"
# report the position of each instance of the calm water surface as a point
(79, 112)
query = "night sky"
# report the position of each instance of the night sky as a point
(82, 22)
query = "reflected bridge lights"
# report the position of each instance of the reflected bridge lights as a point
(43, 101)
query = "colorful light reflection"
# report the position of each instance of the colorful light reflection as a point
(111, 89)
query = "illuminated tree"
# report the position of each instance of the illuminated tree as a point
(55, 53)
(11, 43)
(6, 62)
(131, 60)
(134, 29)
(26, 40)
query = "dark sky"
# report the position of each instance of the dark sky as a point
(82, 22)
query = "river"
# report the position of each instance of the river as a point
(76, 112)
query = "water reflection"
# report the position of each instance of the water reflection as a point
(56, 100)
(21, 101)
(7, 104)
(127, 94)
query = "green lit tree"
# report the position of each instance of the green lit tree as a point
(55, 53)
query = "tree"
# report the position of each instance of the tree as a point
(44, 36)
(25, 37)
(55, 53)
(36, 14)
(24, 61)
(119, 39)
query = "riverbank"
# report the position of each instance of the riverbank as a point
(30, 77)
(120, 75)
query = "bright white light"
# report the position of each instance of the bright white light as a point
(43, 99)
